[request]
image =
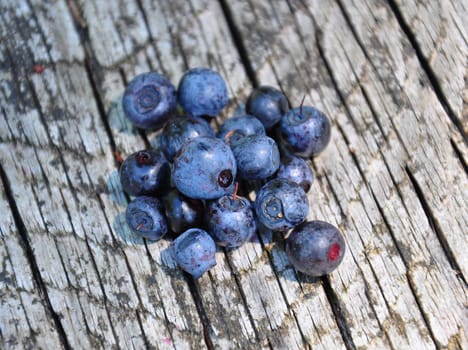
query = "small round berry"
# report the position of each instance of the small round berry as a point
(149, 100)
(315, 248)
(194, 251)
(281, 205)
(145, 172)
(202, 91)
(268, 104)
(257, 156)
(305, 130)
(205, 168)
(230, 220)
(296, 170)
(145, 216)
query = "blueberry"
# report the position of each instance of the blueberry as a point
(315, 248)
(257, 156)
(149, 100)
(296, 170)
(305, 130)
(182, 212)
(205, 168)
(268, 104)
(202, 91)
(247, 124)
(145, 217)
(179, 130)
(230, 220)
(281, 205)
(145, 172)
(194, 251)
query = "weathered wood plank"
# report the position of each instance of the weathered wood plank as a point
(25, 321)
(99, 277)
(224, 329)
(420, 148)
(441, 33)
(283, 47)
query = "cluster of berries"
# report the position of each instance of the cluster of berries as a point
(190, 184)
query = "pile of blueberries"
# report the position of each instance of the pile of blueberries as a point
(191, 185)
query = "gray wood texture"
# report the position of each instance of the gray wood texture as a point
(390, 74)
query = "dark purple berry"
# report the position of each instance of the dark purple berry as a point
(230, 220)
(315, 248)
(281, 205)
(257, 156)
(268, 104)
(205, 168)
(305, 130)
(145, 172)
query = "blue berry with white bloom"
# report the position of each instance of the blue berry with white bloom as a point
(202, 92)
(230, 220)
(205, 168)
(149, 100)
(268, 104)
(145, 216)
(194, 251)
(281, 205)
(305, 130)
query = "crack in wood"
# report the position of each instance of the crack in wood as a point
(400, 252)
(241, 292)
(238, 41)
(459, 156)
(435, 84)
(205, 320)
(339, 316)
(434, 224)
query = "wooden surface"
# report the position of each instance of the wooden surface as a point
(391, 75)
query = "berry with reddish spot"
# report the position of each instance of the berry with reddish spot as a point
(145, 173)
(39, 68)
(315, 248)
